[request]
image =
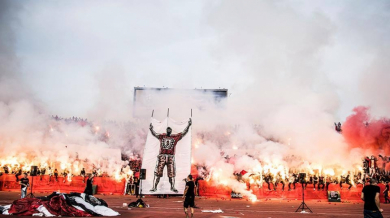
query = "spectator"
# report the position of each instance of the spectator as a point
(24, 183)
(88, 189)
(136, 183)
(370, 196)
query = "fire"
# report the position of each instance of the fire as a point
(125, 173)
(76, 167)
(63, 166)
(13, 165)
(117, 176)
(253, 198)
(329, 172)
(27, 167)
(11, 161)
(224, 182)
(69, 178)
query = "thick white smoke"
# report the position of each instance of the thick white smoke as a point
(30, 136)
(285, 64)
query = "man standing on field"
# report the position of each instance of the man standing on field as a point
(370, 196)
(189, 196)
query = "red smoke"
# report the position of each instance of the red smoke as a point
(360, 130)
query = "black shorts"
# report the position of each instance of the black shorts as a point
(189, 201)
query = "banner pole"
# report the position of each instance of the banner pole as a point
(191, 146)
(168, 118)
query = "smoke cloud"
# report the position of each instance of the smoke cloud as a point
(292, 68)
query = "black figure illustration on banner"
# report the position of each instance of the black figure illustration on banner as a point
(166, 157)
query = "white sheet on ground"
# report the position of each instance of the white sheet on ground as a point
(105, 211)
(42, 209)
(6, 207)
(99, 209)
(212, 211)
(102, 210)
(77, 207)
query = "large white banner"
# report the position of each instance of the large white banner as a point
(167, 159)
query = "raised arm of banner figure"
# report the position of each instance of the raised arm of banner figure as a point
(153, 132)
(185, 131)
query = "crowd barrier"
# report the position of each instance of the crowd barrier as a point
(105, 185)
(208, 189)
(108, 185)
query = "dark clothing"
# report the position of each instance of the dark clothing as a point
(321, 183)
(197, 186)
(268, 180)
(17, 176)
(304, 184)
(56, 175)
(327, 185)
(386, 193)
(369, 197)
(88, 189)
(191, 189)
(136, 183)
(289, 185)
(190, 194)
(277, 183)
(372, 214)
(189, 201)
(347, 181)
(315, 182)
(269, 185)
(24, 181)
